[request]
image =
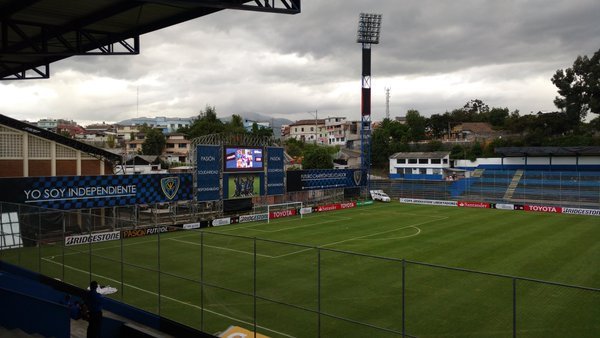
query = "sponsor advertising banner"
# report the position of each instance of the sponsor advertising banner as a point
(275, 172)
(540, 208)
(579, 211)
(245, 185)
(253, 218)
(337, 206)
(307, 210)
(298, 180)
(140, 232)
(190, 226)
(282, 213)
(82, 192)
(221, 221)
(429, 202)
(208, 173)
(503, 206)
(466, 204)
(363, 203)
(93, 238)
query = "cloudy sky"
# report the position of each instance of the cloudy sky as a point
(435, 55)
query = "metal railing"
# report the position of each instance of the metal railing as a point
(572, 189)
(211, 280)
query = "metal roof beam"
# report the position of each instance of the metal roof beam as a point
(85, 43)
(16, 6)
(271, 6)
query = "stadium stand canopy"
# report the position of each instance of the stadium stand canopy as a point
(43, 133)
(546, 151)
(36, 33)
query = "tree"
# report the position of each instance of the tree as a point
(579, 88)
(206, 124)
(154, 143)
(261, 131)
(417, 124)
(294, 147)
(235, 126)
(438, 124)
(497, 116)
(317, 157)
(476, 106)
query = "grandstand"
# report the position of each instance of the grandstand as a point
(568, 176)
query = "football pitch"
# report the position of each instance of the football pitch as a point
(371, 271)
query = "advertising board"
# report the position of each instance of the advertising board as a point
(79, 192)
(300, 180)
(208, 173)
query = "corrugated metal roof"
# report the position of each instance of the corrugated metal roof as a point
(434, 154)
(547, 151)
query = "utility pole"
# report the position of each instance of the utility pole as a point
(387, 103)
(316, 114)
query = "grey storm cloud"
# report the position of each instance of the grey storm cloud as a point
(435, 54)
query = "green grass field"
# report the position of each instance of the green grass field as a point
(358, 295)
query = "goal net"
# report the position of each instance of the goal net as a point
(285, 210)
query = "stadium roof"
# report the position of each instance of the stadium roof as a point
(43, 133)
(433, 154)
(547, 151)
(35, 33)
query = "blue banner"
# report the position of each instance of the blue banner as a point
(83, 192)
(275, 171)
(299, 180)
(208, 160)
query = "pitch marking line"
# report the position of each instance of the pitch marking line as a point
(169, 298)
(382, 232)
(241, 251)
(391, 238)
(220, 247)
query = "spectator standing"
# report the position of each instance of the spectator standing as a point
(94, 305)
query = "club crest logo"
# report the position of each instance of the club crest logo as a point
(357, 177)
(170, 186)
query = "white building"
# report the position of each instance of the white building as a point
(312, 131)
(166, 124)
(340, 131)
(420, 165)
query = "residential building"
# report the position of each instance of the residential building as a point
(312, 131)
(134, 146)
(127, 132)
(167, 125)
(177, 149)
(401, 119)
(285, 131)
(473, 131)
(340, 131)
(261, 125)
(53, 124)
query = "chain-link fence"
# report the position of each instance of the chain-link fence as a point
(209, 281)
(576, 189)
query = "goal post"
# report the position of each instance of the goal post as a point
(284, 210)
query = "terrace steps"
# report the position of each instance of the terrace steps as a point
(513, 184)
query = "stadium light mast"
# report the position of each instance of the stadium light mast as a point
(369, 27)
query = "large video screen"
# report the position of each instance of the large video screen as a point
(243, 159)
(243, 185)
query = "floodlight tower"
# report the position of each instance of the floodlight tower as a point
(369, 27)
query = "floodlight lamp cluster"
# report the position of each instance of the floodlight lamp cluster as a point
(369, 27)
